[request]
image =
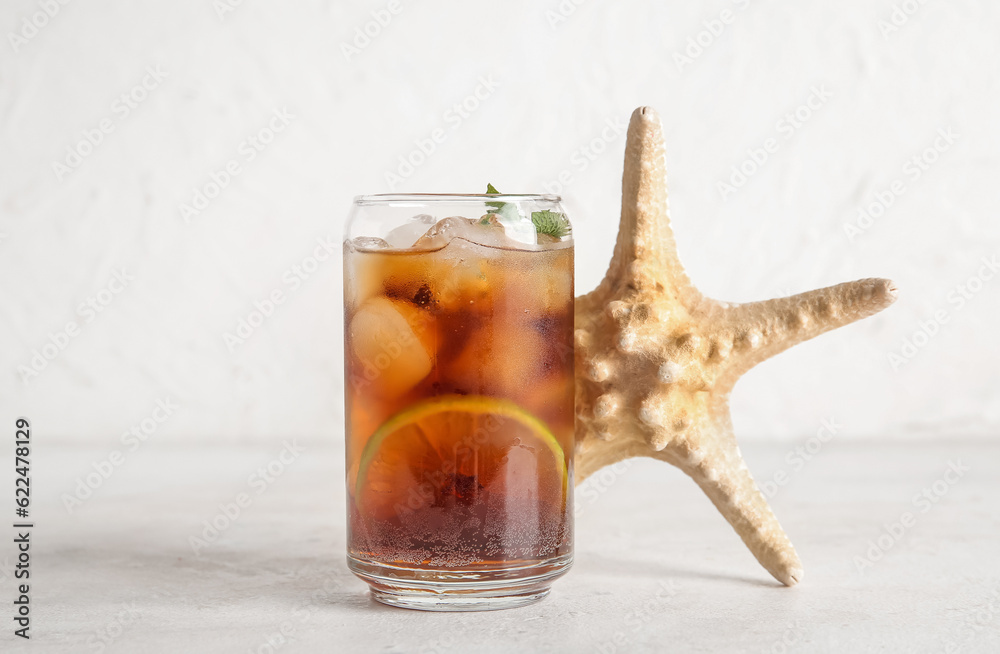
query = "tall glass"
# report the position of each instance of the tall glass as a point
(458, 314)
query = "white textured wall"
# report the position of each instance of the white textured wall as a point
(553, 87)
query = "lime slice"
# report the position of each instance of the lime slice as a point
(459, 449)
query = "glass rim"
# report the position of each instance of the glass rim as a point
(418, 198)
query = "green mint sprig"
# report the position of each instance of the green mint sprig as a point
(552, 223)
(505, 211)
(496, 206)
(547, 222)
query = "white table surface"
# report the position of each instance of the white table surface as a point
(657, 569)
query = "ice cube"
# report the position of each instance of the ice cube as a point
(489, 230)
(406, 234)
(443, 232)
(391, 341)
(516, 225)
(490, 219)
(368, 243)
(519, 229)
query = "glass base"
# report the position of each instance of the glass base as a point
(460, 590)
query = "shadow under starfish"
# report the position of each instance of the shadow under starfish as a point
(656, 360)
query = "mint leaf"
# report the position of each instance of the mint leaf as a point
(491, 190)
(509, 213)
(550, 222)
(506, 211)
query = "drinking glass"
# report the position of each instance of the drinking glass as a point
(459, 391)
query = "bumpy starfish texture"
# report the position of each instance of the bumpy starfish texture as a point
(656, 360)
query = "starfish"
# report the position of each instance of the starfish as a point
(656, 360)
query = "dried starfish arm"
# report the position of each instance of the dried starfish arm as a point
(764, 329)
(720, 472)
(645, 253)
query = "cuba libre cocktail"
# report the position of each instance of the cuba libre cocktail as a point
(459, 398)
